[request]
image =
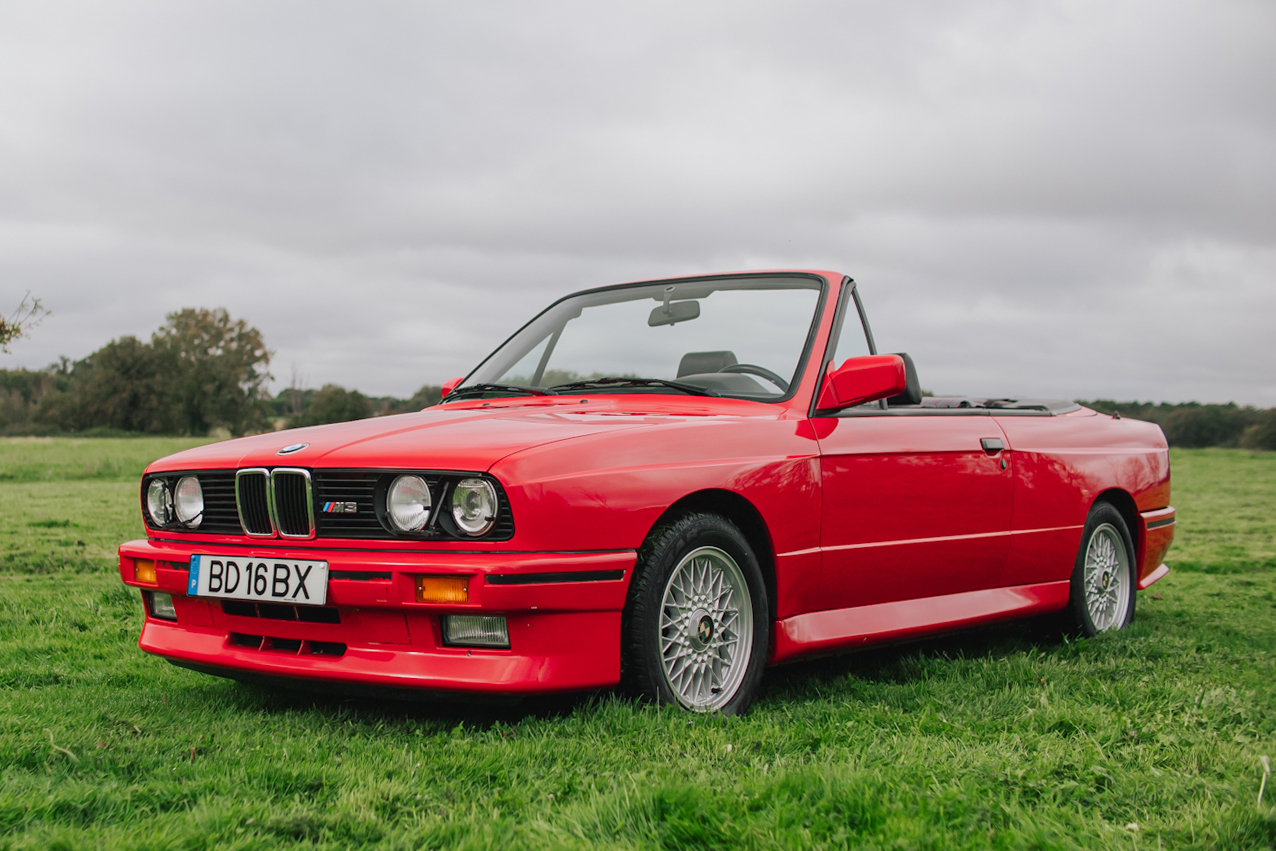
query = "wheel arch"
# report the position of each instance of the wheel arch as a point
(744, 514)
(1125, 505)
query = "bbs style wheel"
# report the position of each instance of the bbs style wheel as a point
(696, 624)
(1102, 595)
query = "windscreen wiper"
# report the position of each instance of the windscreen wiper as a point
(516, 389)
(599, 383)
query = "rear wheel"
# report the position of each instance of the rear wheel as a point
(1103, 580)
(696, 624)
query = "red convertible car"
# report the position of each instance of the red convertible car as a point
(672, 483)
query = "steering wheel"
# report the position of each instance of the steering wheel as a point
(760, 371)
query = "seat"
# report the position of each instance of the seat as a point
(698, 363)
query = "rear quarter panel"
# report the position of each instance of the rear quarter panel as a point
(1062, 464)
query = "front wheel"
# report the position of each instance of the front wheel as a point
(1103, 580)
(697, 620)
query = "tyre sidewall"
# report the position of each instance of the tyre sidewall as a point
(657, 561)
(1079, 612)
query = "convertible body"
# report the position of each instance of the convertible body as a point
(870, 521)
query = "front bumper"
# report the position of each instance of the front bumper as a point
(1157, 531)
(563, 612)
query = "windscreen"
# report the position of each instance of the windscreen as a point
(740, 337)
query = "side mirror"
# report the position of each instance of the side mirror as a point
(450, 385)
(861, 380)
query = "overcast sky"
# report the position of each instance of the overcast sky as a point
(1056, 199)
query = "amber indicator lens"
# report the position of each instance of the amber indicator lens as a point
(442, 589)
(144, 571)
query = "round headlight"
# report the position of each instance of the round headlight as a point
(158, 502)
(474, 506)
(188, 499)
(408, 503)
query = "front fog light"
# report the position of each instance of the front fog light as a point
(158, 502)
(475, 631)
(474, 506)
(162, 606)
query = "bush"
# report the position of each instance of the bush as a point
(1262, 434)
(1206, 425)
(1190, 424)
(333, 404)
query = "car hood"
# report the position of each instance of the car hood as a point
(463, 438)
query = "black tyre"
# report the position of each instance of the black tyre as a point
(696, 624)
(1103, 580)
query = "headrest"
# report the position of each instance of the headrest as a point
(912, 394)
(698, 363)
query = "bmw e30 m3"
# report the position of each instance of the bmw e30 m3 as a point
(675, 483)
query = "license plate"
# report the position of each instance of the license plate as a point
(301, 583)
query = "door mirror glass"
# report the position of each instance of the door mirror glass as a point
(861, 380)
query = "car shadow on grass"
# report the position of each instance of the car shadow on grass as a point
(803, 680)
(909, 661)
(370, 705)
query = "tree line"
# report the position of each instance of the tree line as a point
(1192, 424)
(202, 372)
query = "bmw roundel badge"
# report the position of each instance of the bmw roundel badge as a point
(291, 448)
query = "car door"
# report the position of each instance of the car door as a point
(916, 502)
(913, 506)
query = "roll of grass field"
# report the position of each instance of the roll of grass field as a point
(1008, 737)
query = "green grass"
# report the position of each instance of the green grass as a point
(1225, 499)
(57, 459)
(1003, 738)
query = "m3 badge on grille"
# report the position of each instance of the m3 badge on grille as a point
(340, 508)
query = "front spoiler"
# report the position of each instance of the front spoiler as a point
(563, 612)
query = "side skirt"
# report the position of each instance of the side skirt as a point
(836, 629)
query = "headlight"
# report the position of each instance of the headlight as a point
(408, 503)
(188, 499)
(158, 502)
(474, 506)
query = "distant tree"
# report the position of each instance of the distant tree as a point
(1206, 425)
(333, 404)
(1189, 424)
(28, 315)
(20, 392)
(1262, 434)
(121, 386)
(212, 370)
(429, 394)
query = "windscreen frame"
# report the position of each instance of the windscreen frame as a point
(803, 359)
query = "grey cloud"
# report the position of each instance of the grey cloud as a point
(1067, 198)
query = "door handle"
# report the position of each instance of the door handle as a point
(992, 445)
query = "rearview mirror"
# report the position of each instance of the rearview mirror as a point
(674, 311)
(861, 380)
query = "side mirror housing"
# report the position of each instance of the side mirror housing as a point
(861, 380)
(450, 385)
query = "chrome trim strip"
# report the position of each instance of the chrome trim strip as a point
(310, 503)
(270, 502)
